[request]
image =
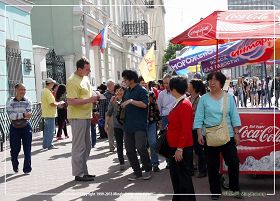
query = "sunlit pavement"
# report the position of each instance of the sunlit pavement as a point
(51, 179)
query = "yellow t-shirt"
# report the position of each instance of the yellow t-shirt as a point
(47, 98)
(80, 88)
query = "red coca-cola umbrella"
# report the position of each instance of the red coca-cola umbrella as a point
(224, 26)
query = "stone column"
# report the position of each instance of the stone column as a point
(69, 65)
(39, 54)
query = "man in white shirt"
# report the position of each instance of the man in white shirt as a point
(165, 103)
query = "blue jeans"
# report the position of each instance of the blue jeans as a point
(164, 121)
(18, 135)
(48, 133)
(152, 140)
(93, 135)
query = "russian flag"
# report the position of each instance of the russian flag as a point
(101, 39)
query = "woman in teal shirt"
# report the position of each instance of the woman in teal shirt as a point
(209, 113)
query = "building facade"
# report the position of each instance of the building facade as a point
(133, 25)
(16, 55)
(255, 69)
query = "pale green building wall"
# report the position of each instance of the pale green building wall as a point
(18, 29)
(52, 26)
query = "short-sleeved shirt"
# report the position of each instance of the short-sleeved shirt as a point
(136, 118)
(79, 88)
(47, 98)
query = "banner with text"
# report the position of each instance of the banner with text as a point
(240, 53)
(229, 55)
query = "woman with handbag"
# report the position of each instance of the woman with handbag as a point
(217, 112)
(180, 141)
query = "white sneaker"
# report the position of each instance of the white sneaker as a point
(147, 175)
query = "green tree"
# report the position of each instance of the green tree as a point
(170, 53)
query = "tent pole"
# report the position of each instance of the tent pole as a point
(217, 53)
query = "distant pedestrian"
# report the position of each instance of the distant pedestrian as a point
(103, 108)
(276, 89)
(61, 112)
(49, 107)
(80, 101)
(153, 118)
(19, 111)
(108, 92)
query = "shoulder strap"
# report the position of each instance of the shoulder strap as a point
(224, 107)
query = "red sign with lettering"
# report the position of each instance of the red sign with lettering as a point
(256, 149)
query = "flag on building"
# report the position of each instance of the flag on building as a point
(147, 66)
(101, 39)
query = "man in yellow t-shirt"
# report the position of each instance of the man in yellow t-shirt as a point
(49, 106)
(80, 100)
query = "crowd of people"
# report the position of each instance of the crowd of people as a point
(131, 114)
(258, 92)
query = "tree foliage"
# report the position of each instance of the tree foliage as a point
(170, 53)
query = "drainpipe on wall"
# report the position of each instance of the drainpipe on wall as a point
(85, 30)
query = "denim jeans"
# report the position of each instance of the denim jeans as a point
(93, 135)
(241, 97)
(16, 136)
(152, 140)
(48, 133)
(164, 121)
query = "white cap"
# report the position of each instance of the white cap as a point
(50, 80)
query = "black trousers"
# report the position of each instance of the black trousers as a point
(62, 122)
(229, 153)
(137, 141)
(118, 132)
(245, 98)
(199, 151)
(102, 132)
(180, 173)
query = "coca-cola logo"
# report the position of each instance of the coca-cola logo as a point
(246, 16)
(257, 133)
(200, 30)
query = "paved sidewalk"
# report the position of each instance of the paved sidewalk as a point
(51, 179)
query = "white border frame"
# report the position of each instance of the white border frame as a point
(79, 194)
